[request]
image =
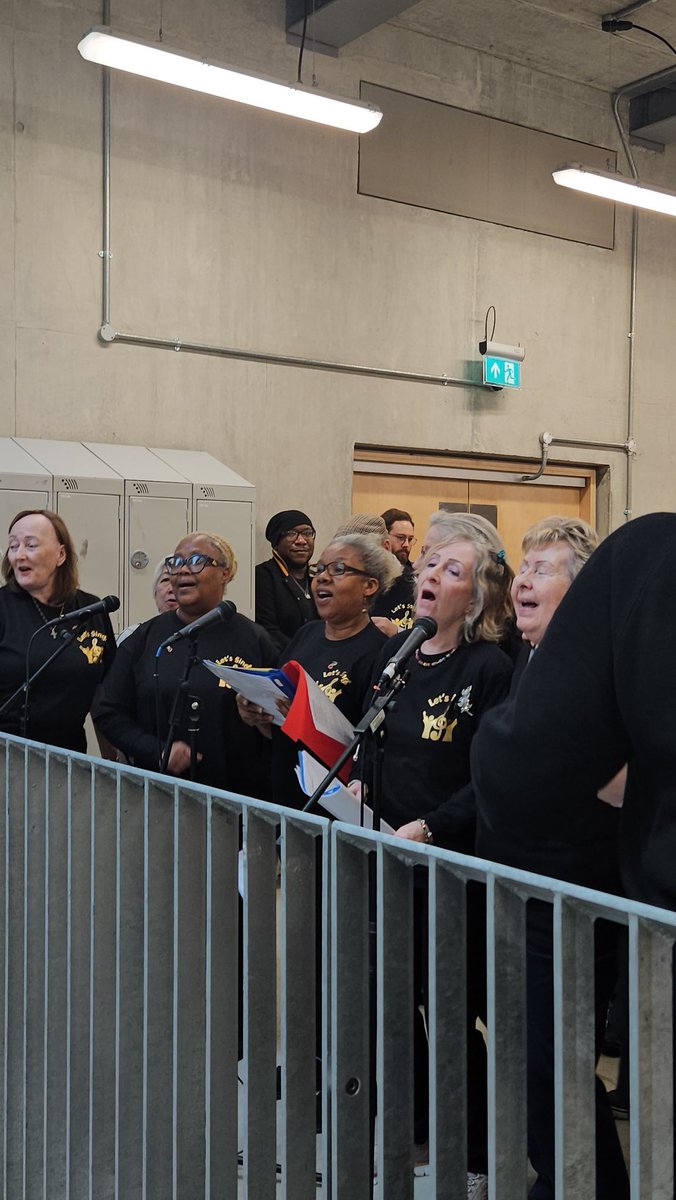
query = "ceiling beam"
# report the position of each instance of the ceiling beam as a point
(335, 23)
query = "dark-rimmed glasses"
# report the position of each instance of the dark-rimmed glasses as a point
(194, 563)
(296, 535)
(338, 568)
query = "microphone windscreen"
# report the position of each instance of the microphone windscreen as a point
(111, 603)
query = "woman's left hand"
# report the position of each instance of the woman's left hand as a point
(414, 832)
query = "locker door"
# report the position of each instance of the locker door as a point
(155, 525)
(94, 524)
(233, 520)
(11, 503)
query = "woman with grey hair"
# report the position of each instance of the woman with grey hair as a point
(338, 651)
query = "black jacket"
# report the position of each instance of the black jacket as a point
(600, 691)
(281, 607)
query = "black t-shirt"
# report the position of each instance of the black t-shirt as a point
(399, 602)
(60, 699)
(233, 757)
(430, 728)
(342, 669)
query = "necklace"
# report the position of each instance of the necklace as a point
(46, 619)
(435, 661)
(304, 591)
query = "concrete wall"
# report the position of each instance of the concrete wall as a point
(245, 229)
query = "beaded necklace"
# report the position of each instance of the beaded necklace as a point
(435, 661)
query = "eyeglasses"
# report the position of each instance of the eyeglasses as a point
(406, 539)
(337, 568)
(194, 562)
(296, 535)
(543, 570)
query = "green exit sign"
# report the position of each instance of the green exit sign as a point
(502, 372)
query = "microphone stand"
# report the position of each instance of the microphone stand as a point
(373, 726)
(177, 708)
(67, 636)
(193, 730)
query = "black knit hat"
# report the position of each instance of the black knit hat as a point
(282, 522)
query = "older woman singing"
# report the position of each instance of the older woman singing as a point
(41, 588)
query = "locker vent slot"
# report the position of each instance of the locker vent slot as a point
(141, 488)
(69, 485)
(208, 493)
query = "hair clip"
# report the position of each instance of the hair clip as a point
(500, 556)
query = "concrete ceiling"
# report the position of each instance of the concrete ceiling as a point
(561, 37)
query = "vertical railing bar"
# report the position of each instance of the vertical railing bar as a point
(5, 1068)
(207, 1012)
(379, 1003)
(144, 1052)
(118, 967)
(174, 1041)
(490, 1014)
(328, 1046)
(92, 941)
(45, 982)
(634, 1064)
(25, 962)
(559, 1111)
(69, 953)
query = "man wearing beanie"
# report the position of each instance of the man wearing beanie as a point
(283, 596)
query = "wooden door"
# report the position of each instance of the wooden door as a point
(513, 505)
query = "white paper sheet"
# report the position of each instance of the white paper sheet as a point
(338, 800)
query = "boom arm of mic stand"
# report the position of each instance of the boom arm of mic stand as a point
(67, 637)
(369, 724)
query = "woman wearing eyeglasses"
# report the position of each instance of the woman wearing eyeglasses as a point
(338, 651)
(283, 593)
(200, 569)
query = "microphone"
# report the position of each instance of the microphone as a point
(108, 604)
(422, 629)
(222, 612)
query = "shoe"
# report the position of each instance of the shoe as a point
(610, 1047)
(618, 1106)
(421, 1154)
(477, 1186)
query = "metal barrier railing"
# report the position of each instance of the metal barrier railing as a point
(153, 978)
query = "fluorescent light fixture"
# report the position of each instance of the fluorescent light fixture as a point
(611, 186)
(109, 49)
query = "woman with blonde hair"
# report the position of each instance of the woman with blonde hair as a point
(457, 675)
(227, 757)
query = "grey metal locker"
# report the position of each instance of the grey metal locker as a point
(24, 483)
(224, 503)
(155, 525)
(157, 511)
(88, 494)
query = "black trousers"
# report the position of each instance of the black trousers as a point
(612, 1182)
